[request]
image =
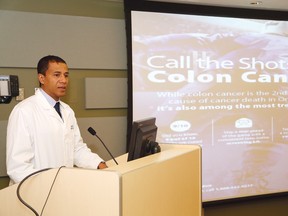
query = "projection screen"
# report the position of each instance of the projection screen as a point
(219, 82)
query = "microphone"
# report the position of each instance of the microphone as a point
(93, 132)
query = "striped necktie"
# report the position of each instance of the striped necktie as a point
(57, 108)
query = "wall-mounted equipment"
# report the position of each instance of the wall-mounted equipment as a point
(9, 87)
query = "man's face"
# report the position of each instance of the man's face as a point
(55, 81)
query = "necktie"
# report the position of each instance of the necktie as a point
(57, 108)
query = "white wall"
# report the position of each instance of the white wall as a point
(112, 131)
(3, 126)
(84, 42)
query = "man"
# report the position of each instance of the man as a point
(37, 136)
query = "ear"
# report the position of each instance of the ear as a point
(41, 78)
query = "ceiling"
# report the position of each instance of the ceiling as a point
(115, 9)
(90, 8)
(253, 4)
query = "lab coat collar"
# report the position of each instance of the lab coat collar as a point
(45, 102)
(50, 109)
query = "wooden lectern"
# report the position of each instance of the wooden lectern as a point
(164, 184)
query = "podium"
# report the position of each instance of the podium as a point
(167, 183)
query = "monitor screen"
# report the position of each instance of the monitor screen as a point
(216, 77)
(143, 139)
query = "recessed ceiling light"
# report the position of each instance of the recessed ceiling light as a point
(256, 3)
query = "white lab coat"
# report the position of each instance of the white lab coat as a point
(38, 138)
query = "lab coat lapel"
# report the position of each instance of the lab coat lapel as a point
(46, 106)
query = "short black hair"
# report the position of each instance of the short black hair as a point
(43, 63)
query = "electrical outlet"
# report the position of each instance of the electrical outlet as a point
(20, 97)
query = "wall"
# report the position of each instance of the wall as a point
(253, 207)
(84, 42)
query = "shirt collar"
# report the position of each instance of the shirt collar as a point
(50, 100)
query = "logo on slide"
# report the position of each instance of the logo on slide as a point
(180, 126)
(244, 123)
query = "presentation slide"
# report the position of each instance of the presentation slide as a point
(221, 83)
